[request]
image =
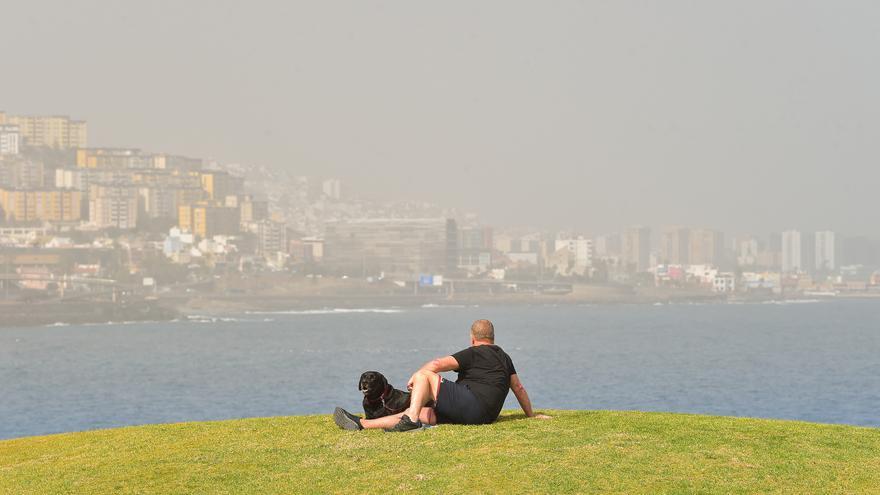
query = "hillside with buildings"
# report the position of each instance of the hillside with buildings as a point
(125, 226)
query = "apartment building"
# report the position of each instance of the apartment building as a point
(53, 131)
(47, 205)
(112, 205)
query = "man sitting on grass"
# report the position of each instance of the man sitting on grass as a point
(485, 374)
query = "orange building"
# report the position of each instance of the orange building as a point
(49, 205)
(206, 219)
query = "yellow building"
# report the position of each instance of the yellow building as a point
(53, 131)
(185, 218)
(218, 185)
(48, 205)
(209, 183)
(208, 219)
(115, 158)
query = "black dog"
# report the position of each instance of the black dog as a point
(380, 398)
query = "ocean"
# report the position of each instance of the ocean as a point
(814, 361)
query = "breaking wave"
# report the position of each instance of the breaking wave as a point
(222, 319)
(327, 311)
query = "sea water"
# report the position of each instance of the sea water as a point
(816, 361)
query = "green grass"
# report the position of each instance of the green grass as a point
(575, 452)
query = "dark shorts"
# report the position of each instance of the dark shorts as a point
(457, 404)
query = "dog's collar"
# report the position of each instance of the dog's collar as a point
(385, 394)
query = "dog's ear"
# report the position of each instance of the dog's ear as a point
(383, 382)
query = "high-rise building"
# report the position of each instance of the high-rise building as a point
(580, 248)
(747, 251)
(675, 246)
(19, 173)
(808, 252)
(220, 184)
(133, 158)
(474, 248)
(177, 163)
(451, 251)
(272, 237)
(207, 219)
(706, 247)
(53, 131)
(112, 205)
(607, 245)
(48, 205)
(114, 158)
(792, 252)
(391, 245)
(637, 248)
(82, 179)
(158, 201)
(332, 188)
(825, 252)
(71, 179)
(10, 138)
(253, 210)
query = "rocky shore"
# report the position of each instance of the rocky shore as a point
(49, 313)
(218, 301)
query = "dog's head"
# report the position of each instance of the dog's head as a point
(372, 384)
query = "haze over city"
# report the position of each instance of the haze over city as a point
(572, 246)
(746, 116)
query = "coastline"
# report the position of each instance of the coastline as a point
(172, 307)
(68, 313)
(336, 297)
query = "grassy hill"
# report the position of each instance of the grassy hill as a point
(582, 452)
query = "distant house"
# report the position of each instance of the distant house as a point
(724, 282)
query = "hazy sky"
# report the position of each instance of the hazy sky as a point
(744, 115)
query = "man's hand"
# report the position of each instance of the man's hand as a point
(412, 379)
(541, 416)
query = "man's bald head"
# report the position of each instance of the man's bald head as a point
(483, 330)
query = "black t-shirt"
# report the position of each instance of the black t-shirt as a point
(486, 370)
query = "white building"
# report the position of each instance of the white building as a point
(21, 236)
(825, 253)
(704, 274)
(792, 250)
(747, 252)
(762, 280)
(331, 188)
(178, 245)
(272, 237)
(70, 179)
(580, 248)
(9, 139)
(724, 282)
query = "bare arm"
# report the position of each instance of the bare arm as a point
(438, 365)
(523, 397)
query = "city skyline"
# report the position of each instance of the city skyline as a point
(50, 129)
(51, 175)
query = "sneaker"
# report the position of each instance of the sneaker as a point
(346, 420)
(405, 424)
